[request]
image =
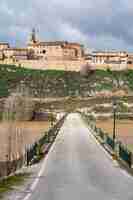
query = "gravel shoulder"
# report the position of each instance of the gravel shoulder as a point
(20, 191)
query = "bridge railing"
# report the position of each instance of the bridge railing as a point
(39, 148)
(32, 153)
(116, 147)
(110, 142)
(125, 154)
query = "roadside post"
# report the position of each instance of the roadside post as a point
(114, 127)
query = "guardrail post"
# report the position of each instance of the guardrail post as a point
(105, 138)
(116, 148)
(132, 161)
(125, 155)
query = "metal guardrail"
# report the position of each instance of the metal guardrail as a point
(44, 139)
(31, 152)
(123, 153)
(48, 138)
(101, 133)
(110, 142)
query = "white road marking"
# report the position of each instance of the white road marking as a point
(116, 164)
(27, 197)
(91, 134)
(125, 173)
(34, 185)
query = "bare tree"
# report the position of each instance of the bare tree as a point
(17, 107)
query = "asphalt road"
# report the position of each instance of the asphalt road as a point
(77, 168)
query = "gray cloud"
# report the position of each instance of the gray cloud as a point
(99, 24)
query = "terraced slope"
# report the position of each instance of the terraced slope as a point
(53, 83)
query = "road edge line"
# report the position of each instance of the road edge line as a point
(35, 183)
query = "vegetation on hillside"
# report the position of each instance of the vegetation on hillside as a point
(54, 83)
(9, 183)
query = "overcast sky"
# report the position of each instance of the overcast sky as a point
(98, 24)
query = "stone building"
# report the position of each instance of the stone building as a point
(16, 53)
(109, 57)
(63, 55)
(4, 45)
(88, 58)
(1, 55)
(56, 50)
(130, 58)
(59, 55)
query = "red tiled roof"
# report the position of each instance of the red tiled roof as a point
(54, 43)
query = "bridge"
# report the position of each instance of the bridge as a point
(78, 168)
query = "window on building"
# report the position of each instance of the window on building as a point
(44, 51)
(76, 53)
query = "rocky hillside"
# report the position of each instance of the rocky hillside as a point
(53, 83)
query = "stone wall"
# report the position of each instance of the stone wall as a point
(116, 67)
(67, 65)
(130, 66)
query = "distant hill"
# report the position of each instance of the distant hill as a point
(54, 83)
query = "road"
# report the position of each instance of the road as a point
(78, 168)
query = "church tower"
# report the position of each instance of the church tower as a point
(33, 37)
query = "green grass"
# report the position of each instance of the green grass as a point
(130, 147)
(104, 86)
(58, 82)
(8, 184)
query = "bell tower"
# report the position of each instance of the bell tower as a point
(33, 36)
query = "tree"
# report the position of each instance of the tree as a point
(17, 107)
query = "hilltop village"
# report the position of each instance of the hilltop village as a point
(62, 55)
